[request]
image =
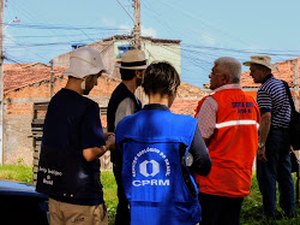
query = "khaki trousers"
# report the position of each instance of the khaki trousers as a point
(69, 214)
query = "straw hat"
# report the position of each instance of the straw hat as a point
(260, 60)
(84, 61)
(134, 60)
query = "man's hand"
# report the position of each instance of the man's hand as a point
(261, 153)
(110, 141)
(107, 134)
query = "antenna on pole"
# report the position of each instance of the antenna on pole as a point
(137, 24)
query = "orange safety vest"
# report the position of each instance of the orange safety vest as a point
(233, 145)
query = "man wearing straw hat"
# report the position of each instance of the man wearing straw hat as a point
(123, 102)
(73, 141)
(273, 156)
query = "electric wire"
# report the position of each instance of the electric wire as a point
(128, 14)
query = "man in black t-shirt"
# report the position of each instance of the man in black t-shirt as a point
(72, 142)
(123, 102)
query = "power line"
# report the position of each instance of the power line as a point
(59, 27)
(292, 53)
(128, 14)
(52, 36)
(22, 46)
(11, 59)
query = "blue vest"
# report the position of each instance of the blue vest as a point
(152, 168)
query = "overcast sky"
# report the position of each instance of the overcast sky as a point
(40, 30)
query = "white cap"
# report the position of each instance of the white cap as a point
(84, 61)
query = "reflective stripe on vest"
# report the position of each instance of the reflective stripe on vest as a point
(236, 123)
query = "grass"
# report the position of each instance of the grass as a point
(19, 173)
(110, 194)
(251, 210)
(251, 213)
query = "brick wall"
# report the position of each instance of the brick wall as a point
(18, 115)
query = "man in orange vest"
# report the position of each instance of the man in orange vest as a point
(228, 120)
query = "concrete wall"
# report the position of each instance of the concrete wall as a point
(164, 52)
(156, 51)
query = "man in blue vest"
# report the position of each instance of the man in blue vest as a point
(123, 102)
(73, 141)
(158, 151)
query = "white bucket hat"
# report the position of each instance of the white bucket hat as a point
(84, 61)
(260, 60)
(134, 60)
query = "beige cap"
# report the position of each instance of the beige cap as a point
(260, 60)
(134, 60)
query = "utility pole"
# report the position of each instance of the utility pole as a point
(296, 84)
(51, 78)
(1, 82)
(137, 24)
(139, 92)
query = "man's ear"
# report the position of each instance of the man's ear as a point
(83, 84)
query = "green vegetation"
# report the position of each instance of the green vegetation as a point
(251, 210)
(110, 194)
(16, 173)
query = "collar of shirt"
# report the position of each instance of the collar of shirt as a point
(156, 106)
(228, 86)
(268, 77)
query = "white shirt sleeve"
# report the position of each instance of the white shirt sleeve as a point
(207, 117)
(125, 108)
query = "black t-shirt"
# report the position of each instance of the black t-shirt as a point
(72, 124)
(72, 120)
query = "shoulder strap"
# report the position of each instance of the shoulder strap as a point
(289, 95)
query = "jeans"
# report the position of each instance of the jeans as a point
(220, 210)
(122, 216)
(276, 168)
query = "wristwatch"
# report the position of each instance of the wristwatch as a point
(261, 145)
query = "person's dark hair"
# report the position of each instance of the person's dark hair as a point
(160, 78)
(127, 74)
